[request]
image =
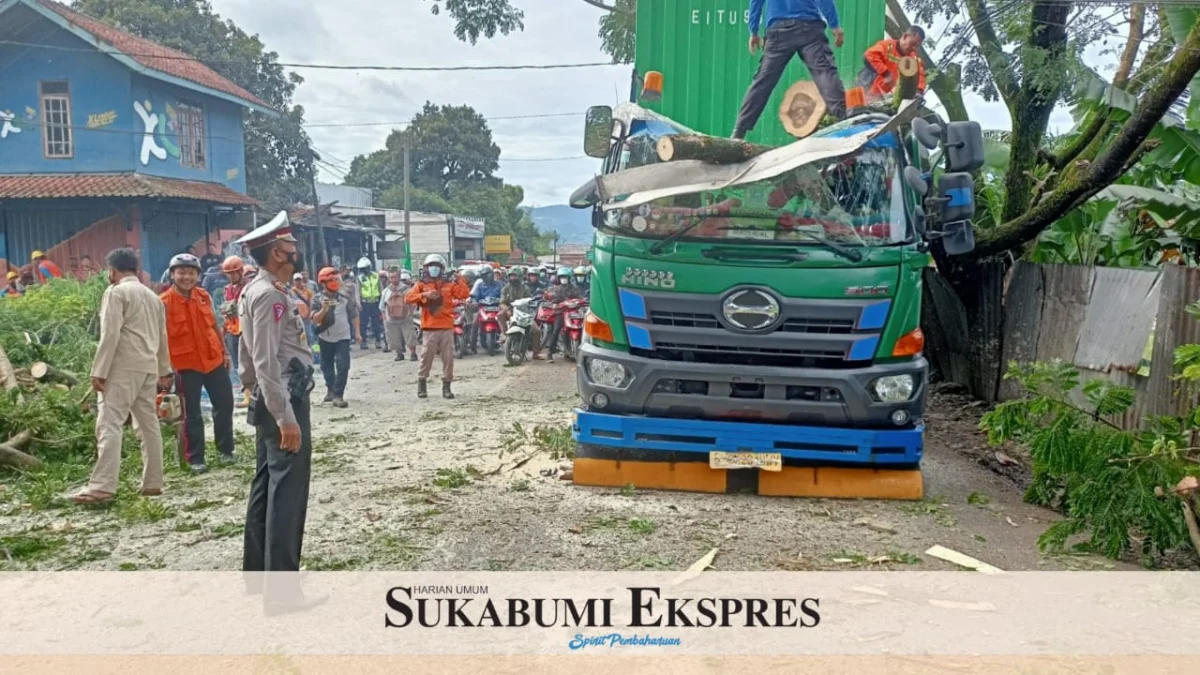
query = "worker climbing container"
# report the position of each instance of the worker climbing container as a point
(701, 47)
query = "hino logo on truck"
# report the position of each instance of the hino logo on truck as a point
(648, 278)
(750, 309)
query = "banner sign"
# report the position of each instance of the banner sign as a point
(497, 243)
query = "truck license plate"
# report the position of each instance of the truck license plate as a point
(767, 461)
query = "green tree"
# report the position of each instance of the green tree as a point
(451, 148)
(279, 167)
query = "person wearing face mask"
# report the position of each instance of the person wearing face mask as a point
(331, 314)
(132, 362)
(275, 360)
(200, 361)
(435, 296)
(370, 289)
(562, 290)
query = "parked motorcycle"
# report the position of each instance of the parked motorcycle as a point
(520, 329)
(489, 325)
(574, 314)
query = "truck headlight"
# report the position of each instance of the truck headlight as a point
(607, 373)
(893, 388)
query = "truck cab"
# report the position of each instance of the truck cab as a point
(765, 314)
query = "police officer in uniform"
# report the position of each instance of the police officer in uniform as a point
(276, 364)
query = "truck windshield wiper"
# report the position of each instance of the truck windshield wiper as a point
(674, 236)
(851, 254)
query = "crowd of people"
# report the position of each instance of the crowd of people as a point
(260, 324)
(199, 353)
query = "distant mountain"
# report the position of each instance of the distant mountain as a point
(574, 226)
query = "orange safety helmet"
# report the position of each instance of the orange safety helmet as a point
(233, 264)
(328, 274)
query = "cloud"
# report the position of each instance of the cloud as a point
(384, 32)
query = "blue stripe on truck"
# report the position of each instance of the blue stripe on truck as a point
(633, 306)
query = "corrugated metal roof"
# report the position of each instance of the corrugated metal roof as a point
(1117, 322)
(64, 186)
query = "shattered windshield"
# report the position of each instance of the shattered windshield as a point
(857, 200)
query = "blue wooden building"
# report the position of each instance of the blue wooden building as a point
(107, 139)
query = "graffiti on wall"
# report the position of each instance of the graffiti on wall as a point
(100, 120)
(150, 121)
(7, 125)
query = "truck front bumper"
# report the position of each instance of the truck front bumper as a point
(819, 397)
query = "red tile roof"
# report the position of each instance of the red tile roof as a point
(63, 186)
(152, 55)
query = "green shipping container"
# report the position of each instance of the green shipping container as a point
(702, 49)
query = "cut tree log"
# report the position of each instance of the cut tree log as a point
(45, 372)
(11, 454)
(802, 109)
(709, 149)
(906, 89)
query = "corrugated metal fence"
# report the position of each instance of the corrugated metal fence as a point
(1100, 319)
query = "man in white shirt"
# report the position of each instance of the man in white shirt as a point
(132, 361)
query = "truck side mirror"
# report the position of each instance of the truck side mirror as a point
(958, 238)
(597, 131)
(956, 192)
(912, 176)
(964, 146)
(586, 196)
(929, 135)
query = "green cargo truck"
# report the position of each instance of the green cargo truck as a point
(755, 326)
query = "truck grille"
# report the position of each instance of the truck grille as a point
(819, 326)
(812, 326)
(684, 320)
(748, 356)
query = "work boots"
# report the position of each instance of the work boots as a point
(446, 393)
(422, 391)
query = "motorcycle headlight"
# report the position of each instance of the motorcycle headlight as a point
(893, 388)
(607, 373)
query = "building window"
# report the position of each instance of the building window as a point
(191, 136)
(56, 120)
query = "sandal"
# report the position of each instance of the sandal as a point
(88, 497)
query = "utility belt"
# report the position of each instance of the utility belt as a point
(299, 381)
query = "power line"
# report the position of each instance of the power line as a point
(318, 66)
(543, 159)
(409, 121)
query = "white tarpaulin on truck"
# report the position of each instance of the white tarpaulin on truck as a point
(644, 184)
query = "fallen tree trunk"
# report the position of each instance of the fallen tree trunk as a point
(12, 455)
(8, 376)
(709, 149)
(45, 372)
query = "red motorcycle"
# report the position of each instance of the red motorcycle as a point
(489, 326)
(546, 314)
(460, 341)
(574, 312)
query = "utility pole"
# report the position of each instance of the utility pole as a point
(407, 228)
(317, 209)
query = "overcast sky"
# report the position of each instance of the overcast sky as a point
(390, 32)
